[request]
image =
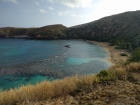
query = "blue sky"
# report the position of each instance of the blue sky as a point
(38, 13)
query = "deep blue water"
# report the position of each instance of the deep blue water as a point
(25, 61)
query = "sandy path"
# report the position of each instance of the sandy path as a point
(114, 54)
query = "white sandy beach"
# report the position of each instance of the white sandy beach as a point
(114, 54)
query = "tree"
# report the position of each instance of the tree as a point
(135, 57)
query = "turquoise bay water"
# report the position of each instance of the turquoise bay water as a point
(10, 81)
(25, 62)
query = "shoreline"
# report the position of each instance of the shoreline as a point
(113, 54)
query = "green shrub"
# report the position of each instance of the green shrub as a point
(123, 54)
(135, 57)
(105, 75)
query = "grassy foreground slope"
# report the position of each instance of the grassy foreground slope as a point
(119, 84)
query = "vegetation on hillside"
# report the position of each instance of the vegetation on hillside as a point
(46, 32)
(135, 57)
(11, 31)
(122, 30)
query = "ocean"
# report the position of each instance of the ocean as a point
(24, 61)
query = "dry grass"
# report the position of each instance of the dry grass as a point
(45, 90)
(114, 67)
(134, 67)
(87, 80)
(120, 73)
(121, 70)
(66, 100)
(48, 90)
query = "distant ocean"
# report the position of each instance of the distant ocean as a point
(25, 61)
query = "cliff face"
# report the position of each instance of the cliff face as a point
(124, 27)
(46, 32)
(49, 32)
(11, 31)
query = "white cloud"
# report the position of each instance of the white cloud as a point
(69, 13)
(42, 11)
(13, 1)
(75, 15)
(51, 1)
(109, 7)
(65, 13)
(37, 3)
(61, 13)
(50, 8)
(76, 3)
